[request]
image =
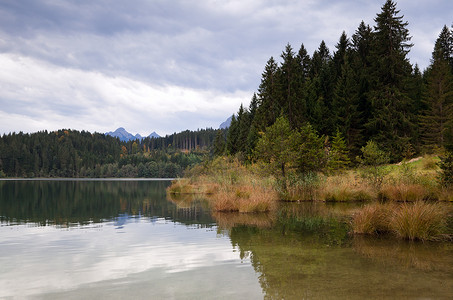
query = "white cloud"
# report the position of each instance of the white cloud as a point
(57, 97)
(188, 55)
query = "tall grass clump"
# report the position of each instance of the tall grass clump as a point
(372, 219)
(412, 221)
(419, 221)
(242, 198)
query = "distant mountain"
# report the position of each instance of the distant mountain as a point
(154, 135)
(226, 124)
(125, 136)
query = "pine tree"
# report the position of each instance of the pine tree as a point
(244, 127)
(392, 122)
(269, 107)
(437, 119)
(232, 136)
(289, 85)
(339, 154)
(219, 143)
(443, 48)
(304, 60)
(361, 64)
(346, 109)
(339, 57)
(320, 90)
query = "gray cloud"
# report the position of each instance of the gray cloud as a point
(215, 49)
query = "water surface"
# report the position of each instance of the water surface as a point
(118, 239)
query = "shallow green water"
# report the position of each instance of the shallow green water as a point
(123, 239)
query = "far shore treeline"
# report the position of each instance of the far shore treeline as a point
(310, 113)
(71, 153)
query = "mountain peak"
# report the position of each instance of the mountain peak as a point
(125, 136)
(227, 123)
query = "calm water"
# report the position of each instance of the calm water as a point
(125, 239)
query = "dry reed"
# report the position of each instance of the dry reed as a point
(419, 221)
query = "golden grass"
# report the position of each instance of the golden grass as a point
(405, 192)
(371, 219)
(419, 221)
(234, 187)
(346, 187)
(244, 198)
(412, 221)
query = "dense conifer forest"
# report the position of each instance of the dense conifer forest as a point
(70, 153)
(365, 90)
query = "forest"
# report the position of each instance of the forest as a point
(366, 90)
(71, 153)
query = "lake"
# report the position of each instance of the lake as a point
(116, 239)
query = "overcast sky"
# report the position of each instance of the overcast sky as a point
(166, 65)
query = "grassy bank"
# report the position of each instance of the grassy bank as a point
(398, 202)
(228, 182)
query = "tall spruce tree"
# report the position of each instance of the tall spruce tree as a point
(290, 85)
(392, 122)
(269, 107)
(437, 119)
(346, 109)
(320, 90)
(232, 136)
(339, 57)
(361, 64)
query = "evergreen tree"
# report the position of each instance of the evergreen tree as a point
(290, 84)
(437, 119)
(269, 107)
(232, 136)
(443, 48)
(339, 154)
(346, 109)
(319, 90)
(339, 57)
(277, 147)
(392, 122)
(219, 143)
(304, 60)
(243, 120)
(361, 64)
